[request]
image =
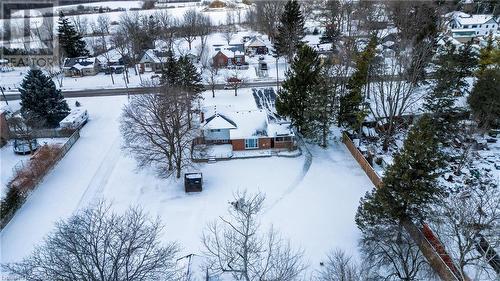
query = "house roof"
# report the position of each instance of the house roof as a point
(218, 122)
(254, 43)
(252, 123)
(473, 19)
(244, 124)
(80, 62)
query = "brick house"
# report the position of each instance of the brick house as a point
(247, 130)
(225, 58)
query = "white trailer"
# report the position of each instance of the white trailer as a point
(75, 120)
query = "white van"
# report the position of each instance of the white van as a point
(75, 120)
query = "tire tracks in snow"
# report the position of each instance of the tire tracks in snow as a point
(305, 168)
(101, 175)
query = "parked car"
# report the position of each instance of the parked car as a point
(25, 146)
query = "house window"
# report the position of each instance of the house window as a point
(282, 139)
(486, 26)
(251, 143)
(215, 130)
(466, 26)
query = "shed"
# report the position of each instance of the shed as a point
(193, 182)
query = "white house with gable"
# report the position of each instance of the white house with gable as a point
(465, 27)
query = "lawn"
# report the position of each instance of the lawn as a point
(311, 200)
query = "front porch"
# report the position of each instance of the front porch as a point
(206, 152)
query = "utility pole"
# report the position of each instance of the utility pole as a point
(3, 94)
(277, 75)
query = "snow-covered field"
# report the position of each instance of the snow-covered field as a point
(311, 201)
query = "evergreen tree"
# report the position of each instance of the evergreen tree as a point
(453, 66)
(70, 42)
(40, 100)
(484, 99)
(190, 77)
(321, 111)
(489, 56)
(290, 30)
(410, 184)
(294, 99)
(171, 73)
(350, 111)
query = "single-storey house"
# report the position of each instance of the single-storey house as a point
(246, 130)
(152, 61)
(256, 46)
(224, 57)
(81, 66)
(465, 27)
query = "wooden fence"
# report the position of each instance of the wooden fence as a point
(36, 179)
(439, 261)
(370, 172)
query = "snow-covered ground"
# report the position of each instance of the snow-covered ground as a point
(10, 160)
(310, 200)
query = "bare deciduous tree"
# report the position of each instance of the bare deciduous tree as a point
(469, 213)
(393, 93)
(81, 24)
(228, 33)
(338, 267)
(236, 245)
(191, 24)
(157, 131)
(393, 251)
(97, 244)
(265, 16)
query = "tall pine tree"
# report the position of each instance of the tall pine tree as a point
(350, 111)
(290, 31)
(70, 42)
(321, 108)
(410, 184)
(484, 99)
(171, 73)
(294, 99)
(454, 64)
(40, 100)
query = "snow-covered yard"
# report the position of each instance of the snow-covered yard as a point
(311, 200)
(10, 160)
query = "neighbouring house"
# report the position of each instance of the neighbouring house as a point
(246, 130)
(465, 27)
(152, 61)
(81, 66)
(224, 58)
(255, 46)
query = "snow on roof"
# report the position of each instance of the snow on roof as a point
(80, 62)
(251, 123)
(255, 42)
(76, 113)
(473, 19)
(151, 54)
(228, 53)
(276, 129)
(219, 121)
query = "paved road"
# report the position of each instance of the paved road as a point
(124, 91)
